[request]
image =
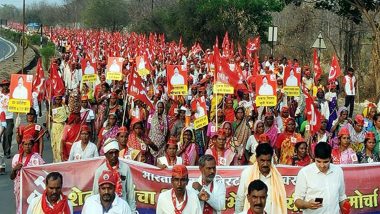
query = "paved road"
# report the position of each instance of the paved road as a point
(7, 49)
(7, 199)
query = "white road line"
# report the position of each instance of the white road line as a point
(12, 49)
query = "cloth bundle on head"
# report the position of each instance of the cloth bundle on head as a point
(343, 131)
(84, 98)
(85, 128)
(179, 171)
(172, 140)
(107, 177)
(110, 144)
(75, 102)
(370, 135)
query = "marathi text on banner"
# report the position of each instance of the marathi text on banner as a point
(114, 76)
(151, 181)
(292, 91)
(266, 101)
(201, 122)
(179, 90)
(89, 78)
(221, 88)
(19, 106)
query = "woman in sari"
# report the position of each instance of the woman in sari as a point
(101, 100)
(368, 114)
(122, 137)
(137, 140)
(229, 111)
(188, 149)
(113, 107)
(222, 155)
(26, 157)
(213, 127)
(71, 134)
(108, 131)
(270, 128)
(253, 140)
(344, 154)
(31, 129)
(227, 127)
(301, 156)
(170, 158)
(376, 130)
(322, 135)
(59, 114)
(286, 141)
(357, 133)
(367, 155)
(157, 129)
(337, 124)
(241, 132)
(179, 124)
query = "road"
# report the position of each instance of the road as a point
(7, 198)
(7, 49)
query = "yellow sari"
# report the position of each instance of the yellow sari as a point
(59, 116)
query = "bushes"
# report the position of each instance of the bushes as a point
(47, 52)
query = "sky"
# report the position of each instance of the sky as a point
(18, 3)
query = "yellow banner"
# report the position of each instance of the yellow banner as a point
(143, 72)
(89, 78)
(292, 91)
(179, 90)
(201, 122)
(19, 106)
(266, 101)
(114, 76)
(221, 88)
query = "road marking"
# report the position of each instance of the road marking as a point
(12, 49)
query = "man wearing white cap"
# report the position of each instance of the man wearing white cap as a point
(107, 201)
(124, 185)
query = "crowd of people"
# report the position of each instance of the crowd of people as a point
(91, 119)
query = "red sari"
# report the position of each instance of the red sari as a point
(34, 130)
(71, 134)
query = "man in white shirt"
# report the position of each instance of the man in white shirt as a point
(211, 192)
(320, 186)
(8, 133)
(178, 199)
(349, 82)
(83, 149)
(257, 197)
(52, 199)
(107, 201)
(264, 170)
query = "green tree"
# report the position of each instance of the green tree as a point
(358, 11)
(203, 20)
(9, 12)
(110, 14)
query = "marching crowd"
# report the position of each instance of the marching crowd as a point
(100, 118)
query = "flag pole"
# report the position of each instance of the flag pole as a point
(125, 103)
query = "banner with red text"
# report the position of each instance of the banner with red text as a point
(362, 183)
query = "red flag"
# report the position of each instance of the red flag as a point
(56, 83)
(256, 66)
(223, 71)
(313, 115)
(317, 66)
(137, 89)
(39, 81)
(334, 69)
(226, 46)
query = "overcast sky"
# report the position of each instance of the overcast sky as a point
(18, 3)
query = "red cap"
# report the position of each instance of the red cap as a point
(300, 139)
(370, 135)
(284, 108)
(359, 119)
(113, 95)
(85, 128)
(84, 98)
(134, 121)
(264, 138)
(343, 131)
(27, 138)
(371, 105)
(107, 177)
(202, 88)
(179, 171)
(122, 129)
(4, 82)
(172, 140)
